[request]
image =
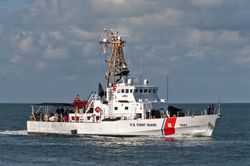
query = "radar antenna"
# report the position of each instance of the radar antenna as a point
(117, 67)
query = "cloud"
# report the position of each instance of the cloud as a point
(196, 54)
(206, 3)
(123, 8)
(55, 53)
(244, 57)
(43, 40)
(231, 37)
(166, 17)
(51, 35)
(199, 37)
(57, 35)
(16, 59)
(209, 37)
(81, 34)
(25, 44)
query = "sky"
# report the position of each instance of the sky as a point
(49, 49)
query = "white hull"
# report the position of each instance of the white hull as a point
(167, 127)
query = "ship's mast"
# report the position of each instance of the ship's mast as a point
(117, 67)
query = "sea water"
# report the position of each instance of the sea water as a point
(229, 145)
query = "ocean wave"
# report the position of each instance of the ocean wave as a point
(14, 132)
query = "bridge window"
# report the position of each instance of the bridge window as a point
(131, 90)
(150, 90)
(122, 90)
(127, 90)
(136, 90)
(154, 90)
(116, 108)
(140, 90)
(126, 108)
(145, 91)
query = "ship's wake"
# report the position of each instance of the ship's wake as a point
(13, 132)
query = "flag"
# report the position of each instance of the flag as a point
(104, 50)
(101, 92)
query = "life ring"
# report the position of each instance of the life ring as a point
(97, 109)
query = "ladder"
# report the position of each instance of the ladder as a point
(92, 97)
(110, 110)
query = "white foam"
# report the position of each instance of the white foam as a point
(14, 132)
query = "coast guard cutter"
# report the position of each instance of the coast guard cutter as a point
(124, 108)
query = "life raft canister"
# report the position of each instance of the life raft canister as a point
(97, 109)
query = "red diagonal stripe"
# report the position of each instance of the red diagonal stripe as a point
(169, 126)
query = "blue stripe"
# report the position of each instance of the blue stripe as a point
(162, 126)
